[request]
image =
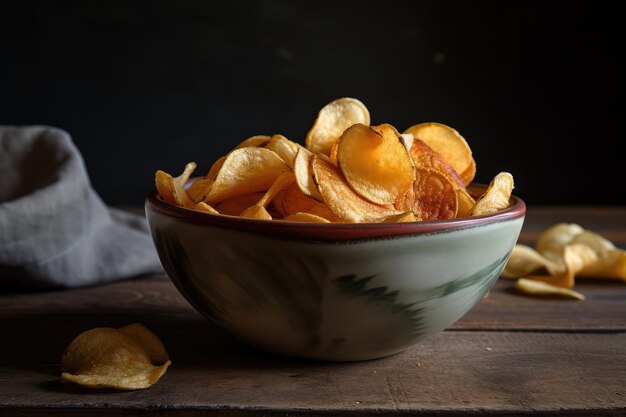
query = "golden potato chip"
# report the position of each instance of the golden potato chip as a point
(199, 189)
(252, 141)
(565, 251)
(333, 152)
(172, 189)
(215, 168)
(524, 260)
(256, 212)
(342, 199)
(283, 181)
(129, 358)
(375, 163)
(284, 148)
(305, 217)
(332, 120)
(610, 264)
(246, 170)
(595, 241)
(405, 217)
(165, 186)
(533, 287)
(425, 156)
(468, 175)
(292, 200)
(148, 340)
(465, 203)
(609, 261)
(575, 258)
(446, 141)
(202, 206)
(183, 178)
(497, 196)
(551, 243)
(304, 174)
(432, 196)
(234, 206)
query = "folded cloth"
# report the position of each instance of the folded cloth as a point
(55, 231)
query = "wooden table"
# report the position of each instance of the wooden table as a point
(511, 355)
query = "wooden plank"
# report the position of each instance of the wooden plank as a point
(450, 373)
(155, 298)
(506, 309)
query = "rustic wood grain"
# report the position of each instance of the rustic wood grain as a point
(510, 355)
(497, 372)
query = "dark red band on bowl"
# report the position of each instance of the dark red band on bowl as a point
(329, 231)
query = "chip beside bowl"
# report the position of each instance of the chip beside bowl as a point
(332, 291)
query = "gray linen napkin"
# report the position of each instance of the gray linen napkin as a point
(55, 231)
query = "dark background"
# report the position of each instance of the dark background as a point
(534, 87)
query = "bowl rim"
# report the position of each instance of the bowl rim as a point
(332, 231)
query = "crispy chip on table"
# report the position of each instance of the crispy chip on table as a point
(128, 358)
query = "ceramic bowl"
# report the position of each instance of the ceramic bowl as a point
(334, 292)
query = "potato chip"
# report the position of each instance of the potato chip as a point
(551, 243)
(446, 141)
(246, 170)
(304, 174)
(465, 203)
(283, 181)
(333, 152)
(234, 206)
(432, 196)
(292, 200)
(342, 199)
(215, 168)
(332, 120)
(202, 206)
(128, 358)
(183, 178)
(405, 217)
(533, 287)
(148, 340)
(524, 260)
(165, 186)
(425, 156)
(610, 264)
(305, 217)
(199, 189)
(565, 251)
(256, 212)
(254, 141)
(593, 240)
(496, 197)
(284, 148)
(375, 162)
(172, 189)
(468, 175)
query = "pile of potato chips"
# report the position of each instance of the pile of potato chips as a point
(348, 171)
(563, 252)
(128, 358)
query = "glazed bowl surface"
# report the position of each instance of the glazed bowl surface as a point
(334, 292)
